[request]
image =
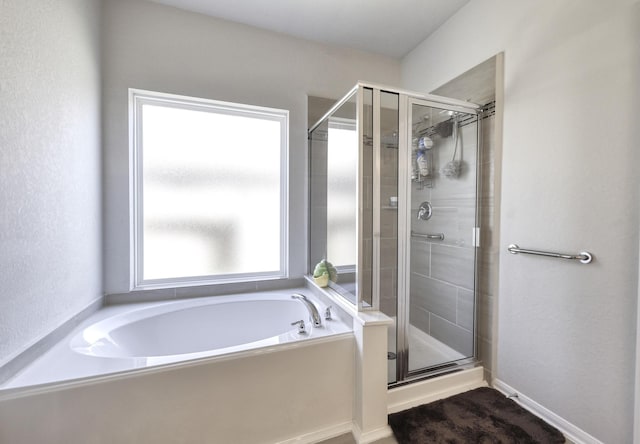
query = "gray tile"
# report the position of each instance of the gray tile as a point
(469, 133)
(367, 192)
(487, 171)
(388, 253)
(485, 353)
(389, 223)
(454, 265)
(462, 187)
(420, 256)
(442, 200)
(434, 296)
(367, 225)
(488, 240)
(465, 309)
(449, 333)
(389, 306)
(365, 290)
(388, 283)
(318, 191)
(419, 317)
(367, 254)
(388, 292)
(487, 217)
(389, 173)
(419, 196)
(488, 272)
(443, 220)
(488, 139)
(485, 317)
(389, 159)
(464, 224)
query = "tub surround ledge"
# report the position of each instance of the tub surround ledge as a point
(111, 341)
(15, 364)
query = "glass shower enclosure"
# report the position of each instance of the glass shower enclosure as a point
(393, 220)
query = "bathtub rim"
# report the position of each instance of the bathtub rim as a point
(13, 364)
(54, 386)
(106, 311)
(108, 324)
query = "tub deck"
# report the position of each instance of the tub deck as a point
(106, 342)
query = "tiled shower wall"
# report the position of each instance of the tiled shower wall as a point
(388, 231)
(489, 247)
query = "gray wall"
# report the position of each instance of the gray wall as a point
(159, 48)
(566, 331)
(50, 229)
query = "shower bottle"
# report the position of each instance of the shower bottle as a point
(422, 158)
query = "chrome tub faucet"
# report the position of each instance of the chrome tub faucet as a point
(314, 316)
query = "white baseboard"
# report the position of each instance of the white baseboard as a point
(570, 431)
(423, 392)
(372, 436)
(321, 435)
(338, 430)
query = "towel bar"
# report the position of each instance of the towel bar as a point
(584, 256)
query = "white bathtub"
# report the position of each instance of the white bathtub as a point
(125, 337)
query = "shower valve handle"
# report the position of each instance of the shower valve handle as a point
(424, 211)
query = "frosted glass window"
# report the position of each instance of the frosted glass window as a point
(210, 191)
(342, 205)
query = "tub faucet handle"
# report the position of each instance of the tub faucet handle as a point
(327, 313)
(301, 327)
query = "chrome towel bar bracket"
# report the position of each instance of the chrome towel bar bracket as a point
(584, 256)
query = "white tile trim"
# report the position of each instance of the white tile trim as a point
(423, 392)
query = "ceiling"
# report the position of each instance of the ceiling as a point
(388, 27)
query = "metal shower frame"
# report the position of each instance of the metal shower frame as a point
(406, 99)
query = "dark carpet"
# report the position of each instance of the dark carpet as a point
(480, 416)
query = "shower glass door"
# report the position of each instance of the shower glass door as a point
(440, 220)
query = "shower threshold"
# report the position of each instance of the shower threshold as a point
(424, 351)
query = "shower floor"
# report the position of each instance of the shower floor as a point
(424, 351)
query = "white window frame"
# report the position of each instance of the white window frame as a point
(138, 98)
